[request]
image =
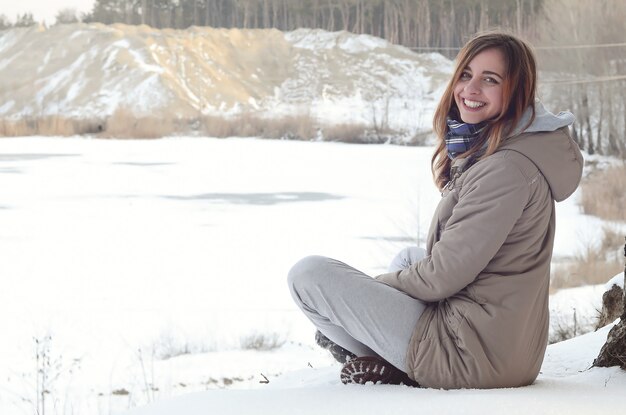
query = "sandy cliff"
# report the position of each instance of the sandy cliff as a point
(89, 71)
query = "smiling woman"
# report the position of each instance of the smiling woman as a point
(470, 311)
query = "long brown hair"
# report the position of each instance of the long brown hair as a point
(518, 89)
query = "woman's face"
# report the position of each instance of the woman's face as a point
(478, 92)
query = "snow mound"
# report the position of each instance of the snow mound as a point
(90, 70)
(616, 280)
(566, 384)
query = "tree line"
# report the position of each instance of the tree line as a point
(419, 23)
(413, 23)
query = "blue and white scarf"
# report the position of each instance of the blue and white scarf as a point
(461, 136)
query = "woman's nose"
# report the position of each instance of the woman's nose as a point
(472, 86)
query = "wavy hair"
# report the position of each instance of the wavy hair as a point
(518, 89)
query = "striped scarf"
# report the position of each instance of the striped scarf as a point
(461, 136)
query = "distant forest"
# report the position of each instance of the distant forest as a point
(580, 43)
(413, 23)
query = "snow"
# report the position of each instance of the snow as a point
(566, 385)
(578, 306)
(616, 280)
(317, 39)
(150, 262)
(6, 106)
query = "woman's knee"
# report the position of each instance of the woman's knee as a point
(406, 257)
(306, 270)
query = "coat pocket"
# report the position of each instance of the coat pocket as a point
(452, 316)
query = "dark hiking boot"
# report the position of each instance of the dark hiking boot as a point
(365, 369)
(339, 353)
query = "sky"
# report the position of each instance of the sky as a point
(42, 10)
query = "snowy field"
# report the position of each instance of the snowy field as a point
(147, 270)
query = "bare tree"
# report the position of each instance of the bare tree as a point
(584, 59)
(5, 23)
(66, 16)
(24, 20)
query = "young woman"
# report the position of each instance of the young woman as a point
(472, 310)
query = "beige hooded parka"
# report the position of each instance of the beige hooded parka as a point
(487, 267)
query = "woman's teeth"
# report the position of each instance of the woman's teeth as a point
(473, 104)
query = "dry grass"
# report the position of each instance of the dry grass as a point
(52, 125)
(344, 132)
(124, 124)
(214, 126)
(290, 127)
(604, 193)
(298, 127)
(595, 265)
(612, 240)
(566, 328)
(262, 341)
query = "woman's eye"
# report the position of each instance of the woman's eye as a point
(491, 80)
(465, 76)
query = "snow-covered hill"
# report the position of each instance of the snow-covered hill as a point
(87, 71)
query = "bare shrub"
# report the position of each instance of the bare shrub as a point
(604, 193)
(261, 341)
(9, 128)
(52, 374)
(294, 127)
(88, 126)
(15, 128)
(55, 125)
(565, 329)
(124, 124)
(299, 127)
(612, 240)
(344, 132)
(247, 125)
(170, 344)
(216, 126)
(49, 125)
(420, 138)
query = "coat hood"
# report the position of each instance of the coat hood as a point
(548, 144)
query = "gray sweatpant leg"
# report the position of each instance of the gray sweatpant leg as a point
(364, 316)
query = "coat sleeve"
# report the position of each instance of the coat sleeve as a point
(491, 200)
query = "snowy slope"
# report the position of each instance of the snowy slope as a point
(88, 71)
(566, 384)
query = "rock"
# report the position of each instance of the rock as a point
(612, 306)
(613, 353)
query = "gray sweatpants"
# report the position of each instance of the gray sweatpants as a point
(359, 313)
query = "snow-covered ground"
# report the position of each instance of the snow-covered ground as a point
(566, 385)
(145, 269)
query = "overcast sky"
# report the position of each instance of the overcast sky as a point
(41, 9)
